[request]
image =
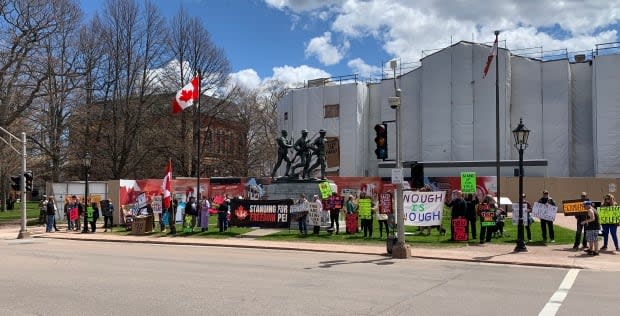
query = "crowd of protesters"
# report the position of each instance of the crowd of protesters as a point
(359, 211)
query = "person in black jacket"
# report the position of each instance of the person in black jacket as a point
(471, 202)
(191, 209)
(544, 224)
(580, 228)
(222, 214)
(51, 212)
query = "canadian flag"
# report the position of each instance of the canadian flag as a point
(186, 96)
(492, 54)
(167, 186)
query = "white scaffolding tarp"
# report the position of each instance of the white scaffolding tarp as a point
(582, 164)
(556, 117)
(527, 103)
(607, 114)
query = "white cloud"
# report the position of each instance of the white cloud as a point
(404, 28)
(360, 67)
(325, 52)
(288, 76)
(246, 78)
(296, 76)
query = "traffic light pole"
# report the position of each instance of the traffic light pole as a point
(23, 232)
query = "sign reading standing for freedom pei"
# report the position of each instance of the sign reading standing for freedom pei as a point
(260, 213)
(573, 207)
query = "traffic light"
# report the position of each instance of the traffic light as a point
(17, 183)
(28, 177)
(381, 141)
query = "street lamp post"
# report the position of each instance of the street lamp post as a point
(87, 161)
(520, 134)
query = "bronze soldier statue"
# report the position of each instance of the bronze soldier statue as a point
(318, 147)
(303, 151)
(283, 147)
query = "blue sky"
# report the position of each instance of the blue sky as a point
(297, 40)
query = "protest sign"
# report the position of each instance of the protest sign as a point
(326, 189)
(459, 229)
(351, 223)
(385, 203)
(515, 214)
(487, 215)
(609, 214)
(544, 211)
(73, 213)
(156, 205)
(260, 213)
(468, 182)
(573, 207)
(423, 208)
(140, 201)
(314, 215)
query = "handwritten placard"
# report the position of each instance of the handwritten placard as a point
(459, 229)
(573, 207)
(468, 182)
(544, 211)
(609, 214)
(515, 214)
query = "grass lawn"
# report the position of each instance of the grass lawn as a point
(213, 231)
(414, 237)
(14, 215)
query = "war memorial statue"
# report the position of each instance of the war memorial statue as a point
(283, 146)
(305, 150)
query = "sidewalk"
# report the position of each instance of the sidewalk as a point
(559, 256)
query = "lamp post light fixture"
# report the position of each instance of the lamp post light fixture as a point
(521, 133)
(86, 162)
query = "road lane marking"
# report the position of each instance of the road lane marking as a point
(554, 303)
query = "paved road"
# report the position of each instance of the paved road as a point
(63, 277)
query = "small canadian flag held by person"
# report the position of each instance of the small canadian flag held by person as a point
(492, 54)
(186, 96)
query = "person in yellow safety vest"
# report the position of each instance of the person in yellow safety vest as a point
(365, 210)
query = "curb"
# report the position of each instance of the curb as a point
(189, 243)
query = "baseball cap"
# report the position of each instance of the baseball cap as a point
(587, 203)
(545, 192)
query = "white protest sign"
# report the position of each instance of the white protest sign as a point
(314, 215)
(141, 201)
(544, 211)
(515, 214)
(156, 205)
(423, 208)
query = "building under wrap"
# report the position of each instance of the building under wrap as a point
(448, 113)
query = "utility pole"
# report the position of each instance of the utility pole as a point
(23, 232)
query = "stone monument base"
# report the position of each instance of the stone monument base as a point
(291, 189)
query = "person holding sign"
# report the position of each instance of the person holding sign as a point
(486, 212)
(458, 209)
(608, 228)
(592, 228)
(580, 218)
(544, 224)
(303, 214)
(365, 206)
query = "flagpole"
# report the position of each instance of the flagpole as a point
(497, 151)
(198, 117)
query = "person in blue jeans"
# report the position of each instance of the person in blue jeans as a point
(303, 215)
(51, 212)
(222, 214)
(610, 200)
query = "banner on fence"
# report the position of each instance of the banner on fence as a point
(573, 207)
(260, 213)
(544, 211)
(515, 214)
(609, 214)
(423, 208)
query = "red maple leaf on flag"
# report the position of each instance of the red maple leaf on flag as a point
(186, 95)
